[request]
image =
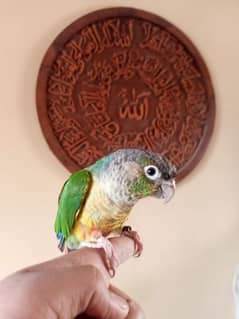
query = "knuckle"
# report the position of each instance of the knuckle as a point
(92, 270)
(94, 274)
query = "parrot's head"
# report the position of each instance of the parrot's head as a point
(131, 174)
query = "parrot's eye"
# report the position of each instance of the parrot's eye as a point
(152, 172)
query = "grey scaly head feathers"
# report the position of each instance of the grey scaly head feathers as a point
(130, 174)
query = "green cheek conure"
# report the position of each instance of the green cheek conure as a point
(96, 201)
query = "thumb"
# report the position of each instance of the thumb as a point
(85, 291)
(100, 302)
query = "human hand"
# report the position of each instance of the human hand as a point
(71, 285)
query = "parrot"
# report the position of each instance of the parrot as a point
(95, 201)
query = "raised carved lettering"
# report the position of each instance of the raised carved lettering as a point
(124, 82)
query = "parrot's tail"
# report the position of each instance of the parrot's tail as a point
(61, 241)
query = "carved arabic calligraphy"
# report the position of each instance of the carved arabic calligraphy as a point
(127, 82)
(134, 107)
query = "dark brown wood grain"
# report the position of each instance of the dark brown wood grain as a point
(119, 78)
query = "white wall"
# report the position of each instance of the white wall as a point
(191, 245)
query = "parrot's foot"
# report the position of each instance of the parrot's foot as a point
(109, 258)
(128, 232)
(111, 261)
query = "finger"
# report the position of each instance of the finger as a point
(117, 292)
(107, 305)
(135, 311)
(120, 293)
(80, 290)
(123, 248)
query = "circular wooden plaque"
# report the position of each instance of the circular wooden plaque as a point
(125, 78)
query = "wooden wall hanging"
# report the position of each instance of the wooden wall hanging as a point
(119, 78)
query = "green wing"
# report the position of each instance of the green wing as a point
(71, 199)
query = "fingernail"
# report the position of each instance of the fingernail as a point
(119, 303)
(111, 272)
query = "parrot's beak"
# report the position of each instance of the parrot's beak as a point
(166, 190)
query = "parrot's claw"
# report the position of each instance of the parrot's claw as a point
(128, 232)
(127, 229)
(111, 261)
(108, 256)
